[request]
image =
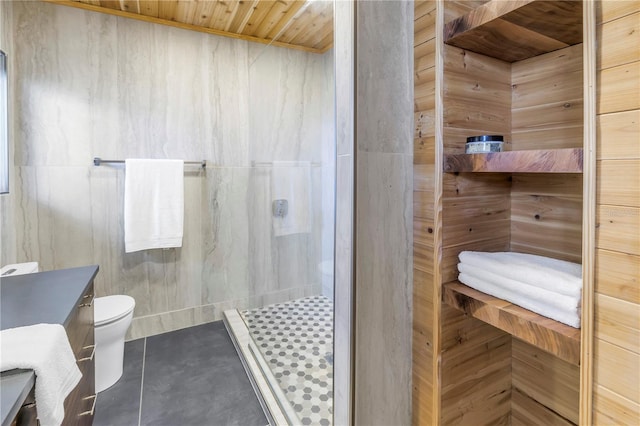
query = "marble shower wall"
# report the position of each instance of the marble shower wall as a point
(7, 230)
(89, 84)
(384, 215)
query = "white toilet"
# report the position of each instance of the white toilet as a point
(19, 269)
(112, 316)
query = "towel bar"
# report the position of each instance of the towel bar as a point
(98, 161)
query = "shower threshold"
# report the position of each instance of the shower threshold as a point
(289, 347)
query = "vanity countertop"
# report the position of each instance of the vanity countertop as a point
(44, 297)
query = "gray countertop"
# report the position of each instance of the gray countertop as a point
(44, 297)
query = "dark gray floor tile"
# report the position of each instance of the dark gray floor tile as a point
(195, 377)
(120, 404)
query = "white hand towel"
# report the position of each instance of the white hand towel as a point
(45, 349)
(291, 181)
(553, 299)
(551, 274)
(536, 305)
(153, 204)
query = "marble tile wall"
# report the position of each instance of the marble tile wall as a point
(89, 84)
(7, 230)
(383, 218)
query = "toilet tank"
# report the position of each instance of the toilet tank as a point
(19, 269)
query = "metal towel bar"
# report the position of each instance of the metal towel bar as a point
(98, 161)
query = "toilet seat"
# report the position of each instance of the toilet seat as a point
(112, 308)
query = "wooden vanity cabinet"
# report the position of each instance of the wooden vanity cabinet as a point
(80, 403)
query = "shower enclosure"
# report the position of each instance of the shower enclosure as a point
(291, 197)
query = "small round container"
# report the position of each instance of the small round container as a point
(484, 144)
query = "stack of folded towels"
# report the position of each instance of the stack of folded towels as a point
(549, 287)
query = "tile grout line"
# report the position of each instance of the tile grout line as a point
(144, 356)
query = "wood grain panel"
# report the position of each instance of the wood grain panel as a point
(423, 152)
(556, 338)
(424, 28)
(617, 369)
(423, 179)
(546, 379)
(610, 408)
(565, 136)
(546, 215)
(425, 55)
(564, 85)
(423, 258)
(423, 203)
(149, 7)
(561, 244)
(477, 67)
(475, 372)
(455, 9)
(618, 322)
(422, 7)
(546, 79)
(618, 135)
(618, 275)
(424, 122)
(619, 182)
(425, 182)
(554, 115)
(424, 90)
(622, 38)
(547, 65)
(423, 287)
(618, 89)
(525, 411)
(476, 385)
(517, 30)
(489, 92)
(618, 229)
(608, 10)
(262, 21)
(474, 220)
(567, 160)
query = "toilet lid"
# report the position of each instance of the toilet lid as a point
(111, 308)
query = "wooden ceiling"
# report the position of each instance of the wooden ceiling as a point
(297, 24)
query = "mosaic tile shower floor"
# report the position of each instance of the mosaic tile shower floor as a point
(296, 341)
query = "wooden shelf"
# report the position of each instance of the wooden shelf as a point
(551, 336)
(518, 29)
(566, 160)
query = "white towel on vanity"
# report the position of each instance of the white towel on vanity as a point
(550, 274)
(153, 204)
(291, 181)
(45, 349)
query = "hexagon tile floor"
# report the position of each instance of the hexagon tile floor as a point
(296, 340)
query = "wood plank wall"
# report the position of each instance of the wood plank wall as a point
(547, 110)
(617, 278)
(424, 234)
(475, 365)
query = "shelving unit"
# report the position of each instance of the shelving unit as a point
(567, 160)
(551, 336)
(521, 69)
(517, 30)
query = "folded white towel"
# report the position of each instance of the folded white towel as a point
(291, 181)
(551, 274)
(153, 204)
(45, 349)
(553, 299)
(542, 307)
